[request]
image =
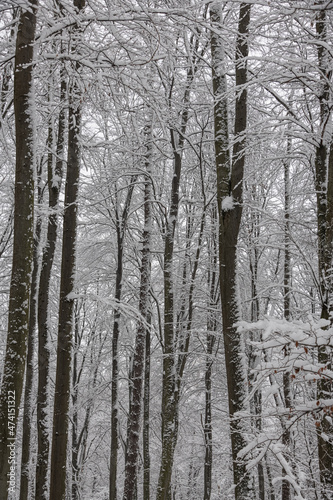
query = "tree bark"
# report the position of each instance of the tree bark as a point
(121, 222)
(253, 224)
(55, 172)
(66, 305)
(230, 187)
(324, 191)
(286, 437)
(137, 371)
(170, 383)
(146, 416)
(19, 300)
(211, 337)
(28, 397)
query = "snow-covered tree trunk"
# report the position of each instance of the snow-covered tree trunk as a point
(19, 300)
(211, 338)
(286, 437)
(253, 228)
(230, 199)
(67, 284)
(172, 373)
(146, 415)
(324, 192)
(121, 223)
(28, 395)
(54, 174)
(138, 362)
(169, 380)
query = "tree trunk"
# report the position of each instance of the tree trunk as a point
(75, 382)
(211, 336)
(230, 198)
(121, 222)
(115, 376)
(170, 383)
(324, 191)
(137, 371)
(55, 172)
(286, 437)
(28, 399)
(66, 305)
(256, 403)
(19, 300)
(146, 415)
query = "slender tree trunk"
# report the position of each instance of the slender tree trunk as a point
(75, 439)
(270, 480)
(64, 349)
(28, 399)
(211, 336)
(324, 190)
(169, 395)
(286, 437)
(230, 192)
(55, 172)
(66, 305)
(19, 300)
(168, 390)
(115, 375)
(137, 371)
(80, 436)
(121, 230)
(146, 416)
(256, 406)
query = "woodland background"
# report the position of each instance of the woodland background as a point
(166, 210)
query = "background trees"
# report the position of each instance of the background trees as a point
(147, 99)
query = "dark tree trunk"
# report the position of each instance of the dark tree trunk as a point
(28, 399)
(137, 371)
(121, 222)
(169, 410)
(75, 438)
(64, 349)
(286, 437)
(324, 191)
(169, 380)
(19, 300)
(146, 416)
(55, 171)
(230, 187)
(115, 376)
(66, 305)
(211, 337)
(256, 406)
